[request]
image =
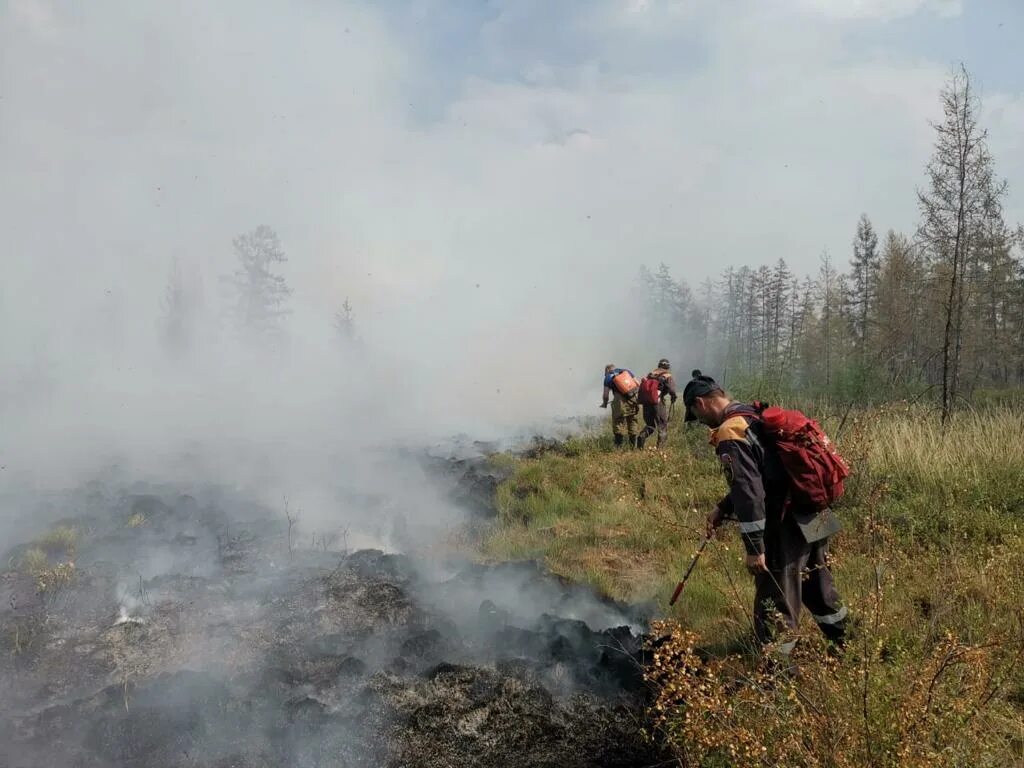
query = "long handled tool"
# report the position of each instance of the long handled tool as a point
(693, 563)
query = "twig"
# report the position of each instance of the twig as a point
(291, 524)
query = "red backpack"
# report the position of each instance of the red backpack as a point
(650, 391)
(815, 469)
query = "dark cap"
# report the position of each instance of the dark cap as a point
(664, 364)
(698, 386)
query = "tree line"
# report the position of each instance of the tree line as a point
(939, 310)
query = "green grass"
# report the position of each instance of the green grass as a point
(932, 552)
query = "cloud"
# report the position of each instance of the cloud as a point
(881, 10)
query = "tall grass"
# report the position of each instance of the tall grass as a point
(930, 564)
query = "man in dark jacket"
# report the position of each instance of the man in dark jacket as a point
(788, 570)
(656, 415)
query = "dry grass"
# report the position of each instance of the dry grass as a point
(929, 564)
(59, 540)
(33, 561)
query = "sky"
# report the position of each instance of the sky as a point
(481, 179)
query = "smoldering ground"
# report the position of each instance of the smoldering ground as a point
(202, 629)
(187, 583)
(213, 603)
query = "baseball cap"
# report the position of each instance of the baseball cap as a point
(698, 386)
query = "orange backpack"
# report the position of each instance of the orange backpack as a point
(625, 384)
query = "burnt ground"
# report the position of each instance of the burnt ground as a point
(191, 635)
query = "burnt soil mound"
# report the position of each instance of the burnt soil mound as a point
(187, 636)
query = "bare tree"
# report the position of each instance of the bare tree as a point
(961, 190)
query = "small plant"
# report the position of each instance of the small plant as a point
(136, 520)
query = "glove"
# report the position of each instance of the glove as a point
(674, 398)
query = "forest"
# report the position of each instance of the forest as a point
(935, 313)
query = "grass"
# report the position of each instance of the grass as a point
(930, 563)
(51, 580)
(33, 561)
(59, 540)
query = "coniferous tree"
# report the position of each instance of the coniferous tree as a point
(864, 279)
(260, 293)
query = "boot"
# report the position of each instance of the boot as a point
(618, 441)
(634, 442)
(640, 442)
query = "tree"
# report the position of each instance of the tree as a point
(960, 194)
(898, 309)
(865, 266)
(828, 280)
(344, 323)
(260, 293)
(181, 308)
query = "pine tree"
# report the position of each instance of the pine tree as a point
(864, 278)
(260, 293)
(344, 323)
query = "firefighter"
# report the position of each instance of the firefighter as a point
(788, 571)
(625, 406)
(657, 415)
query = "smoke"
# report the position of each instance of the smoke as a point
(138, 143)
(480, 192)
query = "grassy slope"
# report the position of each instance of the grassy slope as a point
(933, 547)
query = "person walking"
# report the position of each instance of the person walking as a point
(621, 385)
(789, 570)
(657, 395)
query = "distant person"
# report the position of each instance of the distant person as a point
(786, 542)
(657, 395)
(622, 386)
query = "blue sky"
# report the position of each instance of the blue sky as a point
(985, 35)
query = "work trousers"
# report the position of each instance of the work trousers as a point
(624, 419)
(656, 420)
(798, 575)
